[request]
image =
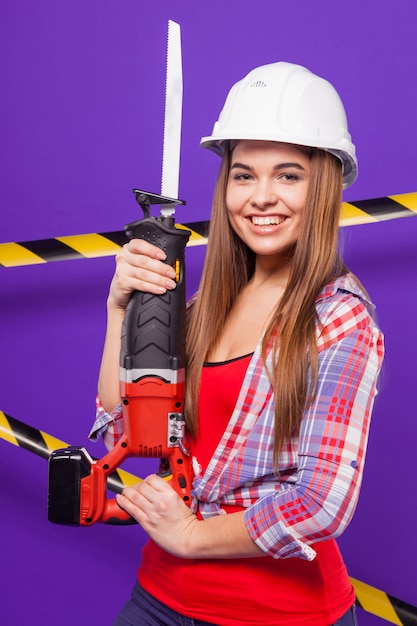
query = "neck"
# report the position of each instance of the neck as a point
(271, 271)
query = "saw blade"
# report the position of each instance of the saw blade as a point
(173, 116)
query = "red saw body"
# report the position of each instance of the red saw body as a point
(152, 388)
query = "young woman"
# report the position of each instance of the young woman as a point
(283, 356)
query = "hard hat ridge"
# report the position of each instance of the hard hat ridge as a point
(286, 102)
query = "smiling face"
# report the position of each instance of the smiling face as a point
(266, 194)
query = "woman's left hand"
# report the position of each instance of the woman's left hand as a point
(161, 512)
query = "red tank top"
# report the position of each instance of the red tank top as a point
(243, 592)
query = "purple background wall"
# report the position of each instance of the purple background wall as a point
(82, 96)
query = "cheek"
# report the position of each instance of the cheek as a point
(232, 219)
(236, 200)
(231, 205)
(232, 215)
(230, 198)
(298, 202)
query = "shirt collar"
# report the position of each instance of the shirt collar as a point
(348, 284)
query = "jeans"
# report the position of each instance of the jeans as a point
(144, 610)
(348, 619)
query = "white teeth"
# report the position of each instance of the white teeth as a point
(271, 220)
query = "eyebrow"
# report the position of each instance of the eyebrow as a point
(280, 166)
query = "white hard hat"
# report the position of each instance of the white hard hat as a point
(287, 103)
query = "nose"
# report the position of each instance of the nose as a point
(264, 194)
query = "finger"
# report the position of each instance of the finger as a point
(157, 483)
(141, 494)
(148, 282)
(131, 262)
(152, 488)
(131, 508)
(152, 271)
(141, 276)
(153, 492)
(141, 246)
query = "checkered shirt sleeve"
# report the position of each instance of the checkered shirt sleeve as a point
(109, 426)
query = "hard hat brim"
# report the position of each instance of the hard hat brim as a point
(349, 162)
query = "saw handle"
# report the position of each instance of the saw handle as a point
(153, 332)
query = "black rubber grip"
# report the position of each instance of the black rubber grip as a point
(153, 333)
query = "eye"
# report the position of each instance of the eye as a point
(288, 177)
(243, 176)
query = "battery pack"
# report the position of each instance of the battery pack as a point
(66, 468)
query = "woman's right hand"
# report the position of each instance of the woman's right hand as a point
(139, 267)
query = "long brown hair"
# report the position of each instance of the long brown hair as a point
(291, 334)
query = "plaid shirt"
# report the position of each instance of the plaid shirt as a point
(314, 494)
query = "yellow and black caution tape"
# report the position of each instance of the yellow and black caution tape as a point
(89, 246)
(94, 245)
(20, 434)
(383, 605)
(368, 598)
(379, 209)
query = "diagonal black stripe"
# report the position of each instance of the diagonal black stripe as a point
(51, 250)
(117, 236)
(115, 483)
(201, 228)
(28, 437)
(406, 612)
(383, 208)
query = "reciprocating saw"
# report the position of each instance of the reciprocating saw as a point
(152, 388)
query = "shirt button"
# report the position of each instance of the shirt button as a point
(354, 464)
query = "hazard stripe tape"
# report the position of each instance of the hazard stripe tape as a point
(383, 605)
(94, 245)
(379, 209)
(368, 598)
(89, 246)
(40, 443)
